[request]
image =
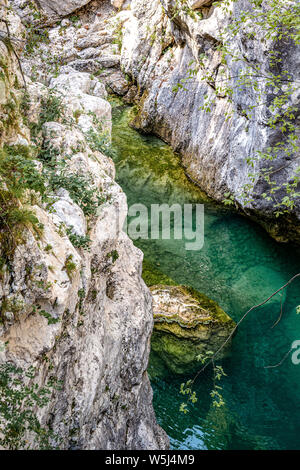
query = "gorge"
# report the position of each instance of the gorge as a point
(87, 90)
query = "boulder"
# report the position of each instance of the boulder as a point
(200, 3)
(70, 213)
(117, 3)
(56, 7)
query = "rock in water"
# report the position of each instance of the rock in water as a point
(187, 324)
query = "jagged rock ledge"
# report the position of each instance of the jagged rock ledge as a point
(187, 324)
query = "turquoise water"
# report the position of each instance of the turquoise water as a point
(238, 266)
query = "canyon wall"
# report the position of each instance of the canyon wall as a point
(142, 50)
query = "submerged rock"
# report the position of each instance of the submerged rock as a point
(187, 324)
(73, 305)
(256, 285)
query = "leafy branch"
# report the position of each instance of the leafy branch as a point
(211, 357)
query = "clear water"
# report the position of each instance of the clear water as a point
(239, 266)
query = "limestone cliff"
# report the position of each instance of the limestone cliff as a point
(73, 303)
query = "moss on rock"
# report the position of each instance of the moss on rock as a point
(186, 324)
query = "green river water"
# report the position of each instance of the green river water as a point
(238, 266)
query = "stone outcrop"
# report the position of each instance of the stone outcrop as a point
(66, 7)
(187, 324)
(73, 303)
(160, 46)
(11, 124)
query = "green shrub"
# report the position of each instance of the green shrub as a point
(70, 266)
(52, 109)
(79, 188)
(114, 255)
(99, 141)
(19, 399)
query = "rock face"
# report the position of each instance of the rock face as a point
(187, 324)
(159, 49)
(11, 125)
(73, 303)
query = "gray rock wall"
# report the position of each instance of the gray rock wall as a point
(60, 8)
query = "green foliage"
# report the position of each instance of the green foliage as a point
(192, 72)
(10, 115)
(20, 171)
(51, 320)
(81, 293)
(74, 19)
(79, 188)
(118, 36)
(186, 388)
(182, 6)
(55, 171)
(25, 103)
(52, 109)
(14, 305)
(216, 392)
(99, 141)
(114, 255)
(229, 199)
(277, 22)
(19, 399)
(78, 241)
(34, 38)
